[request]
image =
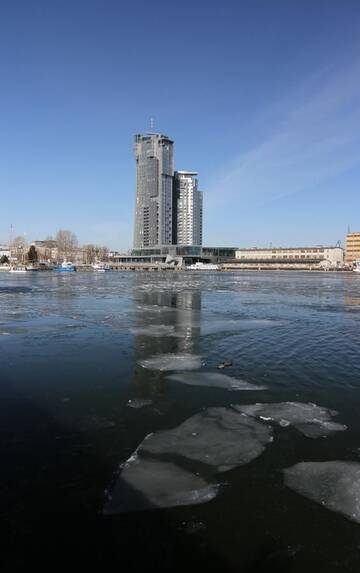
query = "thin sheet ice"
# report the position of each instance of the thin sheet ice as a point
(311, 420)
(218, 437)
(335, 485)
(150, 484)
(156, 330)
(165, 362)
(214, 380)
(218, 325)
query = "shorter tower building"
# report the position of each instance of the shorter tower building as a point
(352, 247)
(187, 209)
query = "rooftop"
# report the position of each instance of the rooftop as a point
(289, 248)
(150, 134)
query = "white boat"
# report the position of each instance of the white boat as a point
(19, 270)
(99, 267)
(199, 266)
(31, 268)
(356, 268)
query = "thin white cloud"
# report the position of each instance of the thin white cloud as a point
(315, 137)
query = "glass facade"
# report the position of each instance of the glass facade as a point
(213, 253)
(154, 174)
(220, 254)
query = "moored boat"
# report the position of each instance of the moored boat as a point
(356, 268)
(99, 267)
(199, 266)
(65, 267)
(19, 270)
(31, 268)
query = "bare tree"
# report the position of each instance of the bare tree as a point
(95, 253)
(66, 243)
(103, 253)
(90, 253)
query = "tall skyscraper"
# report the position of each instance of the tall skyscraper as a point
(187, 209)
(154, 154)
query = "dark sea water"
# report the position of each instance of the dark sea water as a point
(70, 364)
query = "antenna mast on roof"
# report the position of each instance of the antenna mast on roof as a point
(151, 124)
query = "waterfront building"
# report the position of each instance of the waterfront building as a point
(352, 252)
(5, 251)
(154, 154)
(219, 254)
(183, 255)
(231, 258)
(187, 209)
(317, 257)
(47, 250)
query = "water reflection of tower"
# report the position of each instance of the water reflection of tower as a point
(187, 320)
(180, 313)
(351, 300)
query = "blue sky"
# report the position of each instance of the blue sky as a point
(262, 98)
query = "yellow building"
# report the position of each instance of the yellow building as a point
(352, 247)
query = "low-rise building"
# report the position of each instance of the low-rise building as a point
(317, 257)
(47, 251)
(188, 253)
(352, 248)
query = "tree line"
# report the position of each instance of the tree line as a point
(66, 243)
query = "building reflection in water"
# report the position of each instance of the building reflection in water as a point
(352, 300)
(180, 312)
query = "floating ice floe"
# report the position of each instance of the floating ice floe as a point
(139, 403)
(218, 437)
(224, 364)
(172, 362)
(156, 308)
(156, 330)
(311, 420)
(335, 485)
(149, 484)
(213, 379)
(217, 325)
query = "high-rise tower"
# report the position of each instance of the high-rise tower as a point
(187, 209)
(154, 154)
